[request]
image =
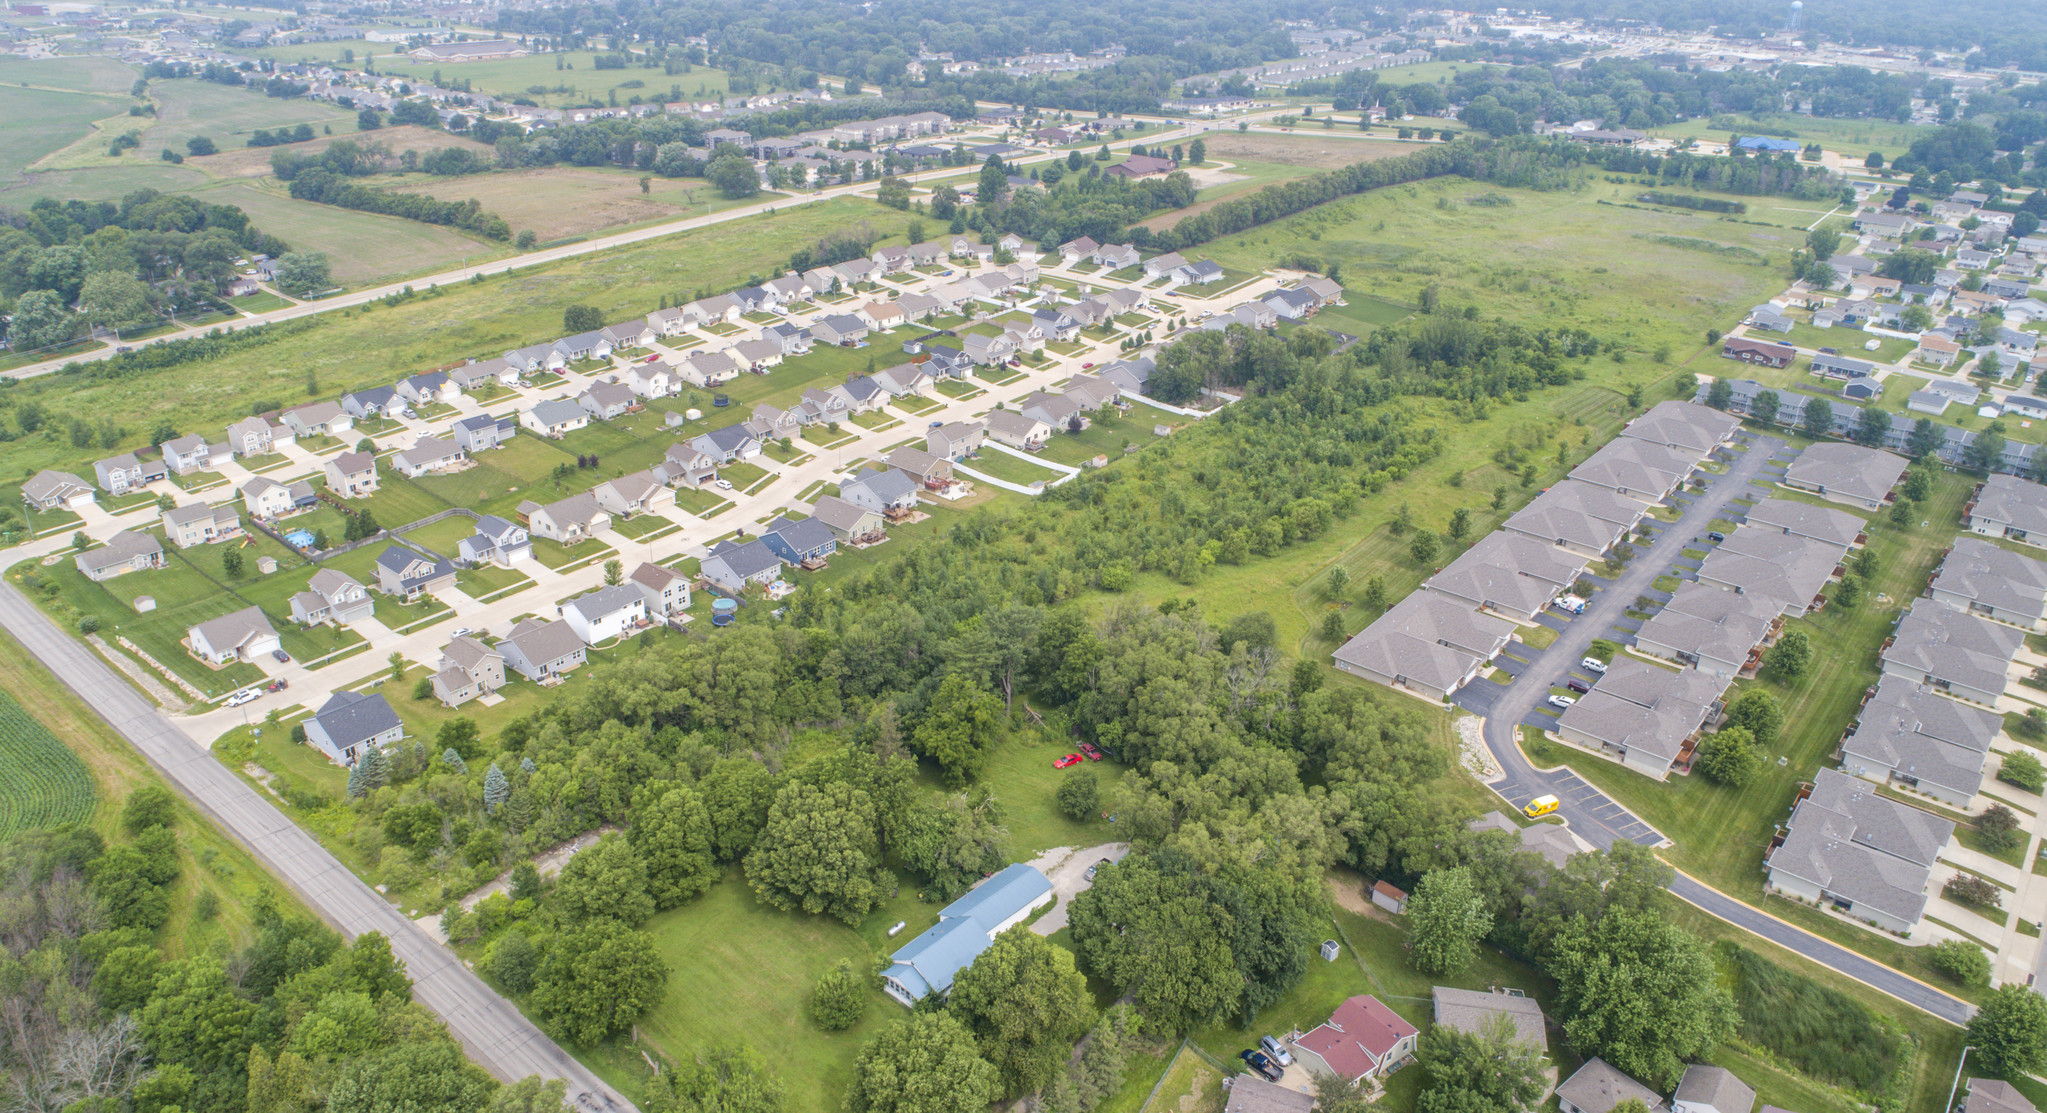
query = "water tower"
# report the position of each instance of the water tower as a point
(1797, 6)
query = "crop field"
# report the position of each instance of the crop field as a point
(42, 783)
(36, 123)
(189, 107)
(561, 201)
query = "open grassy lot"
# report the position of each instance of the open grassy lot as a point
(82, 73)
(1847, 137)
(1722, 833)
(228, 114)
(37, 122)
(351, 349)
(561, 201)
(1310, 146)
(402, 246)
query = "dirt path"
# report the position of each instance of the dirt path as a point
(549, 864)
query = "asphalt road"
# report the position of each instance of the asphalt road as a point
(497, 1036)
(1603, 822)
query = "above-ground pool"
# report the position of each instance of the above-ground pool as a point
(299, 539)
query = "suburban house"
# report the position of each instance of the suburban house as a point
(849, 523)
(1961, 654)
(266, 497)
(1643, 471)
(729, 444)
(755, 355)
(1784, 568)
(1909, 735)
(902, 380)
(886, 491)
(1820, 523)
(255, 437)
(582, 346)
(805, 543)
(1863, 854)
(496, 541)
(686, 464)
(2009, 507)
(536, 358)
(843, 329)
(351, 475)
(555, 417)
(121, 474)
(931, 471)
(1767, 353)
(332, 596)
(467, 669)
(634, 493)
(1989, 1095)
(189, 454)
(1552, 841)
(1470, 1010)
(632, 334)
(1849, 474)
(124, 552)
(486, 373)
(370, 402)
(427, 455)
(200, 524)
(1597, 1087)
(928, 964)
(1362, 1038)
(1992, 581)
(605, 614)
(1937, 349)
(1508, 574)
(408, 575)
(566, 521)
(542, 651)
(350, 723)
(243, 635)
(57, 490)
(1426, 644)
(1686, 426)
(608, 401)
(427, 389)
(731, 565)
(1010, 428)
(1060, 412)
(984, 351)
(956, 440)
(664, 590)
(1643, 715)
(474, 434)
(318, 419)
(1717, 632)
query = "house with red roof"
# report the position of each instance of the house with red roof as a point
(1362, 1038)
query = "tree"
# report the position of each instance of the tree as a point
(2021, 768)
(1424, 547)
(1918, 484)
(495, 788)
(614, 573)
(1639, 993)
(734, 175)
(958, 727)
(1998, 829)
(1823, 242)
(1375, 597)
(1025, 1004)
(1967, 888)
(582, 318)
(375, 768)
(1872, 426)
(1790, 657)
(1445, 920)
(2010, 1031)
(1197, 152)
(1720, 395)
(1338, 579)
(818, 851)
(598, 980)
(411, 1074)
(1155, 934)
(513, 961)
(302, 273)
(993, 182)
(927, 1063)
(41, 320)
(1910, 265)
(606, 881)
(1490, 1070)
(1874, 160)
(729, 1078)
(1848, 592)
(1961, 960)
(1756, 711)
(1079, 799)
(113, 300)
(231, 561)
(1460, 523)
(673, 839)
(1985, 452)
(1818, 419)
(839, 999)
(1923, 440)
(1766, 406)
(1729, 757)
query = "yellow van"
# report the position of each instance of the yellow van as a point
(1540, 806)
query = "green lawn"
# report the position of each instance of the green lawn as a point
(1002, 465)
(485, 581)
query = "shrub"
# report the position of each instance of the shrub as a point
(1961, 960)
(839, 999)
(1077, 795)
(1998, 829)
(2021, 768)
(1967, 888)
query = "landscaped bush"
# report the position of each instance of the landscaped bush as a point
(1961, 960)
(1998, 829)
(1967, 888)
(2023, 769)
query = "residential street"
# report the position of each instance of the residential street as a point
(496, 1035)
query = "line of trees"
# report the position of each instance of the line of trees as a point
(328, 188)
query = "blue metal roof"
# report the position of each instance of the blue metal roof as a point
(930, 962)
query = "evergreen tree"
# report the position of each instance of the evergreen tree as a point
(375, 768)
(495, 789)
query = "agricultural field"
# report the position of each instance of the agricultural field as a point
(35, 123)
(575, 80)
(42, 784)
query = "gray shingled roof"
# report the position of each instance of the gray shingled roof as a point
(1822, 523)
(1467, 1010)
(352, 718)
(1684, 425)
(1861, 846)
(1598, 1087)
(1849, 469)
(1714, 1086)
(1643, 467)
(1954, 646)
(1994, 576)
(1707, 621)
(603, 602)
(1915, 730)
(1427, 637)
(2014, 502)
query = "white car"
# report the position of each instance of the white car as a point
(723, 484)
(1561, 702)
(461, 632)
(246, 695)
(1593, 665)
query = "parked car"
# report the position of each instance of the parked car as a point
(1577, 685)
(1561, 702)
(1096, 868)
(1569, 603)
(461, 632)
(723, 484)
(936, 425)
(1540, 806)
(1277, 1050)
(281, 656)
(1593, 665)
(1715, 536)
(1092, 751)
(1067, 761)
(246, 695)
(1087, 367)
(1263, 1064)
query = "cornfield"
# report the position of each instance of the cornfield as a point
(42, 783)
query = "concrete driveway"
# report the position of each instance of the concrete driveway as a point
(1067, 869)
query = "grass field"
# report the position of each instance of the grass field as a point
(1846, 137)
(562, 201)
(228, 115)
(42, 784)
(578, 81)
(36, 123)
(83, 73)
(400, 246)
